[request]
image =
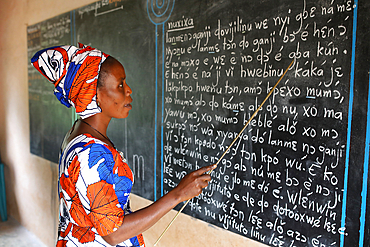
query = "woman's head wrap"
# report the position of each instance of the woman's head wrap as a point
(74, 73)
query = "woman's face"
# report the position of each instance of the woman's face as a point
(114, 95)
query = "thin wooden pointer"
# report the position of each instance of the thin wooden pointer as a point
(232, 143)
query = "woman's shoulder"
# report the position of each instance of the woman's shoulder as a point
(92, 152)
(87, 141)
(87, 147)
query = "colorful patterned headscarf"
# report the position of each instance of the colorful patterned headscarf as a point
(74, 73)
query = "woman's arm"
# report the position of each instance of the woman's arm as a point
(135, 223)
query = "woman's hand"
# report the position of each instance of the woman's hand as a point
(133, 224)
(192, 184)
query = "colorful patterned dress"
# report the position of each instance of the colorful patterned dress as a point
(94, 188)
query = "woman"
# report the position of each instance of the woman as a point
(94, 180)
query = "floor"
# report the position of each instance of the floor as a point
(12, 234)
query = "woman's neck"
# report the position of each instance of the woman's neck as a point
(98, 123)
(95, 126)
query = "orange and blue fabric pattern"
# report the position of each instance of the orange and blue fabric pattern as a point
(74, 73)
(94, 188)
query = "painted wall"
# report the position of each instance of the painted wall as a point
(31, 182)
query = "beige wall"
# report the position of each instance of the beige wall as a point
(31, 182)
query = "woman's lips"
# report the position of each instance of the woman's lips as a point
(128, 105)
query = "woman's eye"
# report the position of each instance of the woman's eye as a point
(121, 85)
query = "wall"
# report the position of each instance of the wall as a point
(31, 182)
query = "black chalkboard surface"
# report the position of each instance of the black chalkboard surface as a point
(297, 176)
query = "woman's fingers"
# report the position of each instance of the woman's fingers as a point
(193, 183)
(203, 177)
(205, 169)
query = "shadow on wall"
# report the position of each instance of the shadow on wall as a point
(51, 187)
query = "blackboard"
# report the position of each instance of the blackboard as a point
(198, 70)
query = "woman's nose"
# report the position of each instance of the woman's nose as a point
(128, 90)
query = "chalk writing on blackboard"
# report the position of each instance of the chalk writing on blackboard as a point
(280, 184)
